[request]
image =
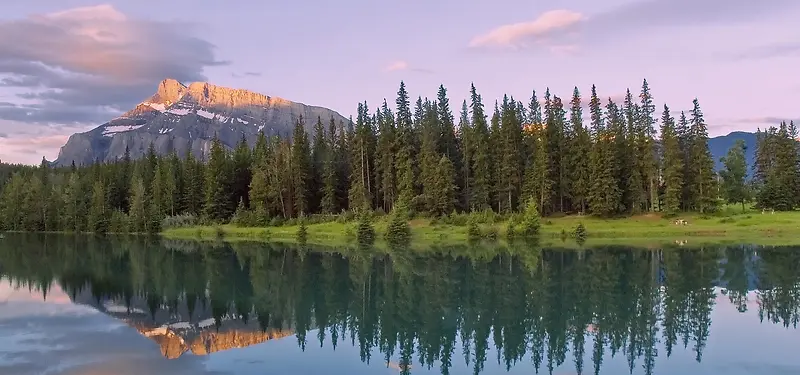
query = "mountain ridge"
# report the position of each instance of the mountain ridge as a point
(187, 117)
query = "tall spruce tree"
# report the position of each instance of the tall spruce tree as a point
(704, 184)
(509, 146)
(481, 183)
(300, 168)
(672, 163)
(218, 175)
(605, 194)
(404, 161)
(385, 158)
(579, 149)
(646, 145)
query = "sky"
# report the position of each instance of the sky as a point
(68, 66)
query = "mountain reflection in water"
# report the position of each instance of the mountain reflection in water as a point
(413, 311)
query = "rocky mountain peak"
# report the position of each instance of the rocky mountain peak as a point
(186, 118)
(169, 91)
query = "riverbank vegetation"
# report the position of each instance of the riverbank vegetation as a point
(489, 172)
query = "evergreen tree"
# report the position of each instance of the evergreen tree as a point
(703, 184)
(646, 145)
(241, 174)
(672, 163)
(510, 139)
(385, 158)
(139, 206)
(448, 142)
(443, 197)
(404, 161)
(733, 176)
(605, 195)
(481, 184)
(319, 151)
(537, 179)
(193, 177)
(629, 136)
(362, 148)
(329, 203)
(465, 140)
(218, 198)
(300, 168)
(429, 154)
(580, 148)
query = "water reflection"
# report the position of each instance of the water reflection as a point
(411, 311)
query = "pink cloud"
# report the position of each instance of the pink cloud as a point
(514, 35)
(397, 65)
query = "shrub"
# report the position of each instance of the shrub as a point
(580, 232)
(531, 220)
(473, 231)
(219, 232)
(302, 231)
(366, 232)
(398, 229)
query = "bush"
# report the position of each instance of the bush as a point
(302, 232)
(276, 221)
(398, 229)
(179, 221)
(580, 232)
(531, 219)
(366, 233)
(473, 231)
(492, 233)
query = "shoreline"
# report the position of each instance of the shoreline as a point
(748, 227)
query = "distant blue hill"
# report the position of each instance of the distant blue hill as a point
(719, 147)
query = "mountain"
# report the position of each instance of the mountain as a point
(720, 145)
(183, 116)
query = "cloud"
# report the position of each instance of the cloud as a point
(397, 65)
(402, 65)
(80, 65)
(566, 27)
(516, 34)
(246, 74)
(770, 120)
(768, 51)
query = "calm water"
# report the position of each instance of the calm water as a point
(74, 305)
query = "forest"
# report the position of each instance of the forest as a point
(619, 159)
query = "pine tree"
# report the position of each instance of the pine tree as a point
(703, 187)
(605, 195)
(385, 158)
(362, 148)
(404, 161)
(448, 142)
(194, 182)
(300, 168)
(733, 176)
(465, 140)
(158, 187)
(684, 140)
(672, 163)
(241, 163)
(444, 191)
(429, 154)
(319, 152)
(646, 145)
(630, 156)
(510, 139)
(329, 203)
(580, 148)
(139, 206)
(218, 196)
(537, 180)
(481, 184)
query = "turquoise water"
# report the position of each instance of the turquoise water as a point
(78, 305)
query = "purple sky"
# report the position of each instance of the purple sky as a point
(69, 65)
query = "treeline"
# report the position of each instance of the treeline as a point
(499, 159)
(549, 308)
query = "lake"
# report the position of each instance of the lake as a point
(82, 305)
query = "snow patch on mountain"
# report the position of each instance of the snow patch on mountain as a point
(110, 130)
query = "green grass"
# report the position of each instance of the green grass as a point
(729, 225)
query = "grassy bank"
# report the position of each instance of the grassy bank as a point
(728, 226)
